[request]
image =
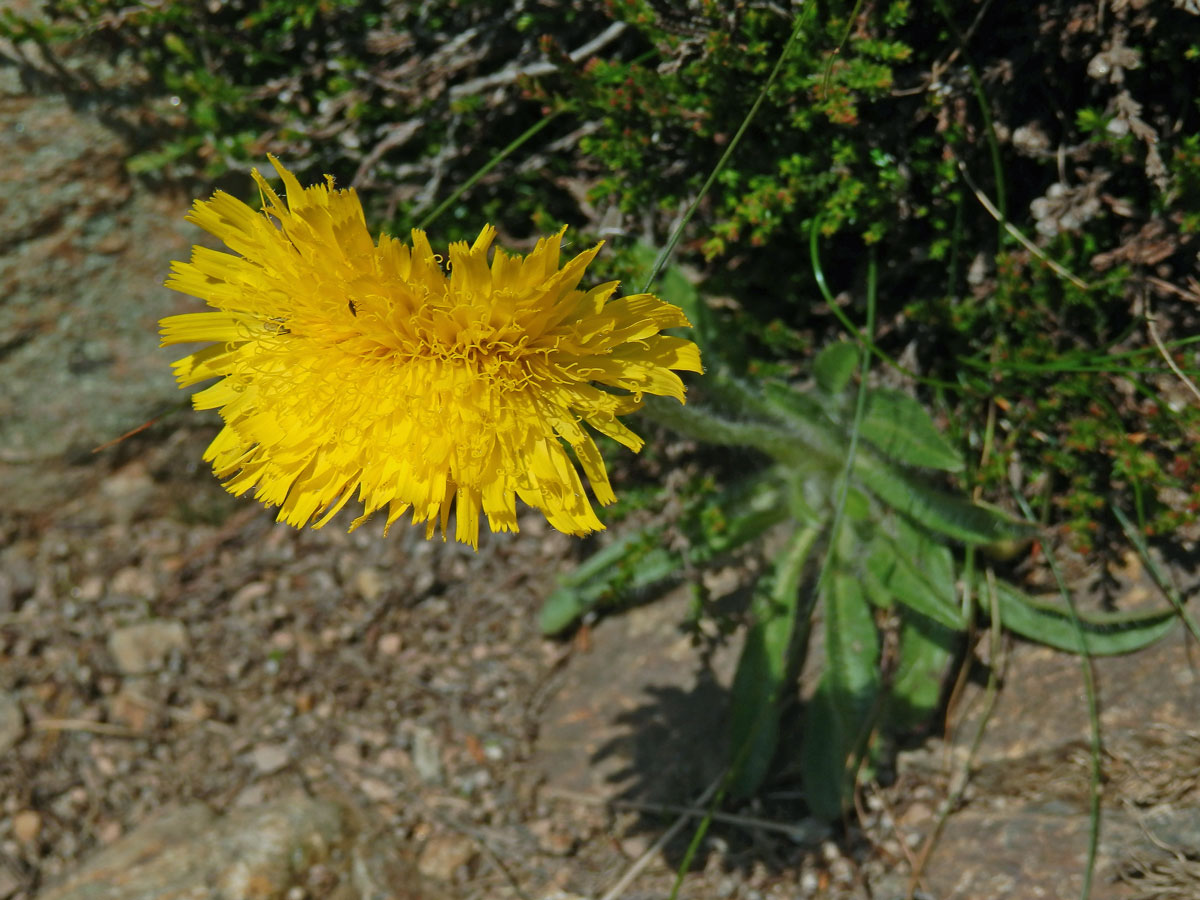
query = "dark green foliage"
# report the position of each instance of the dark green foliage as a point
(1078, 395)
(805, 153)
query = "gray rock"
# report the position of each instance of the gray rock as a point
(635, 716)
(12, 721)
(1021, 851)
(85, 255)
(191, 854)
(144, 647)
(1026, 821)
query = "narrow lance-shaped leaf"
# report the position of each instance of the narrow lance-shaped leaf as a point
(1106, 633)
(837, 722)
(800, 408)
(765, 668)
(919, 588)
(596, 579)
(637, 561)
(945, 513)
(929, 555)
(835, 365)
(924, 651)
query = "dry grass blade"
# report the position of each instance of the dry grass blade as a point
(799, 832)
(665, 838)
(1025, 242)
(1152, 328)
(87, 725)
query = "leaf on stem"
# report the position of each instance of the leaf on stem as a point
(839, 717)
(768, 665)
(902, 430)
(1105, 633)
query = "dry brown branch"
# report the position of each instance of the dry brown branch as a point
(512, 73)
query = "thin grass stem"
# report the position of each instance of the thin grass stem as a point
(677, 232)
(823, 286)
(512, 148)
(1134, 536)
(989, 128)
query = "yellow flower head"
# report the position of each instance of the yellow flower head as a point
(348, 366)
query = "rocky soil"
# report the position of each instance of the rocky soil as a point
(196, 702)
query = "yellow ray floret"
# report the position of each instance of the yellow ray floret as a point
(350, 368)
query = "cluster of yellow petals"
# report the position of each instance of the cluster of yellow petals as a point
(347, 366)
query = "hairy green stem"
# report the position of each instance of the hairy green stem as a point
(786, 445)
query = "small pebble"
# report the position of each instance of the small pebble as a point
(444, 854)
(133, 582)
(269, 758)
(368, 583)
(245, 596)
(377, 790)
(348, 755)
(144, 647)
(27, 825)
(427, 756)
(390, 643)
(90, 589)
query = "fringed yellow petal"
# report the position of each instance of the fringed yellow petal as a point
(191, 328)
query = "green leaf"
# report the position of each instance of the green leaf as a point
(902, 430)
(749, 508)
(923, 589)
(765, 667)
(636, 561)
(1106, 633)
(835, 365)
(839, 716)
(948, 514)
(931, 557)
(179, 47)
(631, 562)
(925, 651)
(796, 407)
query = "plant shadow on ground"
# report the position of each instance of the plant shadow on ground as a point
(673, 747)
